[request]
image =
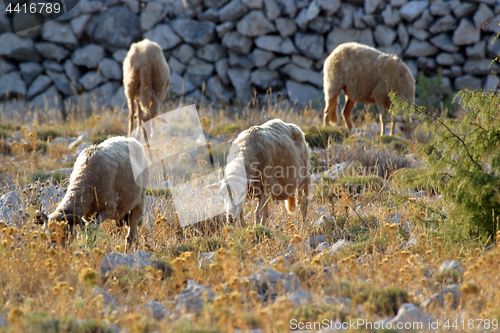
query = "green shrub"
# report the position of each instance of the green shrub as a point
(39, 176)
(58, 177)
(385, 301)
(413, 179)
(394, 143)
(317, 136)
(98, 139)
(358, 184)
(463, 160)
(40, 322)
(47, 134)
(159, 192)
(4, 134)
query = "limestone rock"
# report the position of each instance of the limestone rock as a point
(51, 51)
(88, 56)
(40, 84)
(29, 70)
(260, 57)
(482, 15)
(302, 94)
(110, 69)
(195, 32)
(444, 24)
(384, 36)
(238, 43)
(180, 86)
(12, 85)
(443, 41)
(211, 52)
(272, 10)
(339, 36)
(232, 11)
(191, 299)
(238, 60)
(255, 24)
(467, 81)
(164, 36)
(311, 45)
(198, 71)
(420, 49)
(152, 15)
(184, 53)
(303, 75)
(91, 79)
(115, 28)
(371, 6)
(240, 79)
(20, 49)
(391, 16)
(217, 92)
(466, 33)
(264, 79)
(413, 9)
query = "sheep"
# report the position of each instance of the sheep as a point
(146, 78)
(103, 182)
(365, 75)
(271, 160)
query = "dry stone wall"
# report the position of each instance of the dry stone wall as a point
(227, 50)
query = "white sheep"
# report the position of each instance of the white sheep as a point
(102, 183)
(365, 75)
(270, 160)
(146, 78)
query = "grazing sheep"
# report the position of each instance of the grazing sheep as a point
(365, 75)
(103, 182)
(271, 160)
(146, 77)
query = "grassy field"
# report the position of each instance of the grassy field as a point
(397, 229)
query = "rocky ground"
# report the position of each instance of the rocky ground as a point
(376, 251)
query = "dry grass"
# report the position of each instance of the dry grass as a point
(45, 288)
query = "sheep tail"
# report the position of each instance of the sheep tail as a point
(291, 204)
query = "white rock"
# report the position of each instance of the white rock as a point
(413, 9)
(163, 35)
(384, 36)
(420, 49)
(255, 24)
(302, 94)
(412, 314)
(466, 33)
(482, 15)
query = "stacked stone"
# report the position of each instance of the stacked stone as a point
(227, 50)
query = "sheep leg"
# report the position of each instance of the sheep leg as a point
(347, 113)
(381, 111)
(261, 211)
(304, 201)
(131, 107)
(330, 113)
(135, 221)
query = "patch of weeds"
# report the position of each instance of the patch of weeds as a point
(449, 277)
(68, 164)
(382, 301)
(98, 139)
(198, 245)
(315, 161)
(187, 326)
(358, 184)
(58, 177)
(159, 192)
(91, 234)
(9, 127)
(231, 128)
(413, 179)
(305, 272)
(39, 176)
(5, 147)
(394, 143)
(4, 134)
(180, 249)
(316, 313)
(40, 322)
(317, 136)
(47, 134)
(219, 154)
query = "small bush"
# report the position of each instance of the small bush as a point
(58, 177)
(4, 134)
(5, 147)
(159, 192)
(358, 184)
(413, 179)
(47, 134)
(97, 139)
(43, 323)
(394, 143)
(39, 176)
(383, 301)
(318, 136)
